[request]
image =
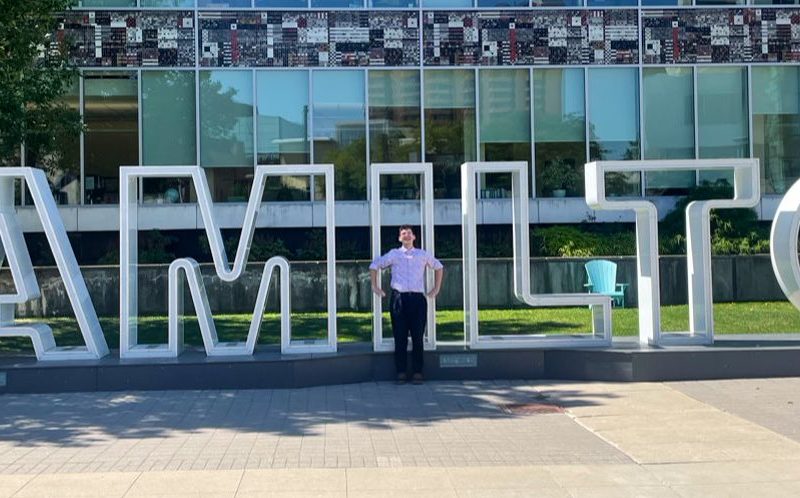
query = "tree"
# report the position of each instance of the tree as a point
(34, 76)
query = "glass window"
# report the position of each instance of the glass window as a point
(111, 139)
(614, 123)
(340, 130)
(223, 3)
(720, 2)
(394, 3)
(168, 115)
(332, 4)
(722, 117)
(282, 114)
(166, 3)
(610, 3)
(668, 102)
(449, 127)
(776, 125)
(282, 3)
(775, 2)
(557, 3)
(226, 132)
(168, 131)
(502, 3)
(107, 3)
(505, 123)
(63, 169)
(665, 2)
(395, 127)
(446, 3)
(559, 130)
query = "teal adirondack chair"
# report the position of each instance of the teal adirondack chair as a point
(602, 275)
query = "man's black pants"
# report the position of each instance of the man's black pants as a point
(409, 312)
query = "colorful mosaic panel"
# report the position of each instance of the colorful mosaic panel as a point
(531, 37)
(721, 36)
(129, 39)
(300, 39)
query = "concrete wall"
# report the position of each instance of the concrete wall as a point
(739, 278)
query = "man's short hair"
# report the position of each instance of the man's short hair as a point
(405, 227)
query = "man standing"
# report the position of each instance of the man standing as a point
(409, 307)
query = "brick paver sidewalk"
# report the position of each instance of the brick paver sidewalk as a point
(359, 425)
(443, 439)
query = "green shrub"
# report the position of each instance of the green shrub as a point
(581, 241)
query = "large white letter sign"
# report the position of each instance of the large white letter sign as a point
(600, 305)
(426, 207)
(129, 347)
(783, 244)
(698, 240)
(27, 287)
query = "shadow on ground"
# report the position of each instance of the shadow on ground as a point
(82, 419)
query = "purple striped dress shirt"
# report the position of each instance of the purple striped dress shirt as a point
(408, 268)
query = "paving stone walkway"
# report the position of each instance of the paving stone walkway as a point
(772, 403)
(440, 439)
(359, 425)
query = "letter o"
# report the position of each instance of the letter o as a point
(783, 244)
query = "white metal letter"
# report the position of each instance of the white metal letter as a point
(600, 305)
(426, 207)
(698, 240)
(19, 261)
(189, 268)
(783, 244)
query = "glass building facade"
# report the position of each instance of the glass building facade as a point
(233, 84)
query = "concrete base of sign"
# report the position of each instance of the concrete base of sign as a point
(730, 357)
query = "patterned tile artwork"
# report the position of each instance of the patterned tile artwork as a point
(129, 38)
(721, 36)
(301, 39)
(104, 38)
(531, 37)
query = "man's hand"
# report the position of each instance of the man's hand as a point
(437, 286)
(373, 276)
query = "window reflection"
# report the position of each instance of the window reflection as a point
(449, 127)
(394, 126)
(668, 127)
(614, 123)
(722, 118)
(340, 130)
(226, 132)
(560, 131)
(505, 124)
(776, 125)
(111, 140)
(282, 129)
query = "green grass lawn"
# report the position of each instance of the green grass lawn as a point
(731, 318)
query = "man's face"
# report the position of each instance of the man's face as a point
(407, 236)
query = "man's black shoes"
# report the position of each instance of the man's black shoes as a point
(416, 379)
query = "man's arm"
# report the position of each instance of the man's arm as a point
(437, 284)
(373, 275)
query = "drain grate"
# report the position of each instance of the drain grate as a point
(531, 408)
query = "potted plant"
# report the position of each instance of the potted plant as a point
(558, 177)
